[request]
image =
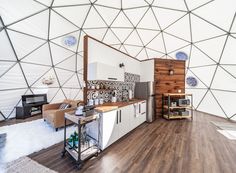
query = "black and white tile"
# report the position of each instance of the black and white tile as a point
(121, 88)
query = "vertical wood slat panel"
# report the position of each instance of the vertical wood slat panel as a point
(165, 83)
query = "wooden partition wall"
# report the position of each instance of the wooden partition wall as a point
(166, 83)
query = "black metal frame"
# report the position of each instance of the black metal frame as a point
(169, 104)
(79, 161)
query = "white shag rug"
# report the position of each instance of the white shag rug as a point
(25, 138)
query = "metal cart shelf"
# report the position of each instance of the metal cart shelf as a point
(89, 148)
(168, 111)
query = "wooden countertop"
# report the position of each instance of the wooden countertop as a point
(106, 107)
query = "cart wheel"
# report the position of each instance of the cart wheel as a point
(96, 155)
(79, 166)
(63, 153)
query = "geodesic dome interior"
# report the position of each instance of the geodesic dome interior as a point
(33, 45)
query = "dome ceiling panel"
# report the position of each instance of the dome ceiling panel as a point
(36, 25)
(202, 30)
(149, 21)
(172, 43)
(206, 47)
(13, 79)
(122, 33)
(59, 25)
(59, 53)
(42, 52)
(70, 11)
(111, 38)
(199, 59)
(94, 16)
(135, 14)
(108, 14)
(121, 21)
(68, 63)
(210, 12)
(69, 2)
(23, 48)
(97, 33)
(134, 4)
(181, 29)
(229, 107)
(38, 72)
(222, 78)
(24, 8)
(209, 104)
(134, 39)
(133, 50)
(108, 3)
(200, 72)
(166, 20)
(176, 4)
(5, 48)
(229, 53)
(5, 66)
(157, 44)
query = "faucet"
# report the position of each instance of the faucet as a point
(125, 98)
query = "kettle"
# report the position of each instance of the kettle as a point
(79, 111)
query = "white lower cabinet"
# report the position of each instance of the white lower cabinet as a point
(109, 128)
(117, 123)
(124, 120)
(139, 113)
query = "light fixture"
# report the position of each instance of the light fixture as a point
(121, 65)
(171, 71)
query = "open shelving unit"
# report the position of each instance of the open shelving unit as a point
(87, 149)
(170, 111)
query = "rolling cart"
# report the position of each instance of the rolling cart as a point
(85, 149)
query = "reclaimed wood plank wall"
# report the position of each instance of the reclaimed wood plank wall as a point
(166, 83)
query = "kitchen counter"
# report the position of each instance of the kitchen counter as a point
(106, 107)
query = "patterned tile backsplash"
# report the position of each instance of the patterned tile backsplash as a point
(110, 88)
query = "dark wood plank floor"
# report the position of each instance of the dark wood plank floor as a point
(178, 146)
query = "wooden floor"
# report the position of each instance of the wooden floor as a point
(16, 121)
(177, 146)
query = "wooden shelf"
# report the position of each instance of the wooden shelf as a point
(176, 94)
(177, 116)
(99, 89)
(174, 112)
(84, 155)
(178, 107)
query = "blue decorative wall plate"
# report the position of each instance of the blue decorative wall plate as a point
(191, 81)
(69, 40)
(181, 56)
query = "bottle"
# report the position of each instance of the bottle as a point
(70, 141)
(76, 140)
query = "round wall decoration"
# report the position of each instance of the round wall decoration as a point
(191, 81)
(69, 40)
(181, 56)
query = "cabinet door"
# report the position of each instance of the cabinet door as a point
(110, 128)
(124, 120)
(100, 71)
(143, 108)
